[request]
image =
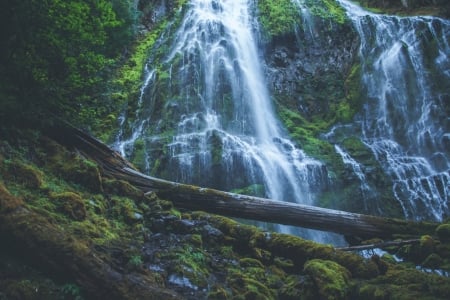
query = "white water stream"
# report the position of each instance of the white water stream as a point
(226, 134)
(406, 78)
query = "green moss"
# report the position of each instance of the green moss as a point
(245, 286)
(284, 263)
(256, 190)
(433, 261)
(277, 17)
(138, 156)
(130, 75)
(297, 249)
(250, 262)
(218, 293)
(8, 202)
(412, 8)
(418, 252)
(25, 174)
(122, 188)
(405, 283)
(72, 167)
(216, 148)
(330, 278)
(296, 287)
(327, 9)
(125, 210)
(190, 262)
(346, 110)
(71, 204)
(306, 134)
(135, 261)
(443, 232)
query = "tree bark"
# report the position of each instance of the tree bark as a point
(381, 245)
(241, 206)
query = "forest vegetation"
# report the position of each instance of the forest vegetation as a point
(69, 230)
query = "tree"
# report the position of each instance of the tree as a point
(56, 54)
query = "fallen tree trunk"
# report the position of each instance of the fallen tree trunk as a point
(241, 206)
(260, 209)
(381, 245)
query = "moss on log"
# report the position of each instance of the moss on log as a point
(241, 206)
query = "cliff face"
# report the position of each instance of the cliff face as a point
(314, 76)
(410, 7)
(311, 65)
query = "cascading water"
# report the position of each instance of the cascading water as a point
(405, 75)
(365, 189)
(218, 111)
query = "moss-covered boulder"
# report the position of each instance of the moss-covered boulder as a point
(71, 204)
(7, 201)
(330, 278)
(25, 174)
(443, 232)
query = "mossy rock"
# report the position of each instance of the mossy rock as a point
(71, 204)
(125, 209)
(443, 232)
(122, 188)
(417, 253)
(330, 278)
(72, 166)
(297, 287)
(218, 293)
(433, 261)
(406, 283)
(245, 287)
(25, 174)
(7, 201)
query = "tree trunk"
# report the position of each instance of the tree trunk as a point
(241, 206)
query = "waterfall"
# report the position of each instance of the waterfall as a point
(367, 193)
(405, 77)
(307, 19)
(125, 146)
(218, 113)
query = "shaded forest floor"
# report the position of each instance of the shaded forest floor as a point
(69, 232)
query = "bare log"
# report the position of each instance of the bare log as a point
(241, 206)
(381, 245)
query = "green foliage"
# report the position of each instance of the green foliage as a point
(277, 17)
(56, 55)
(135, 261)
(281, 17)
(347, 109)
(408, 8)
(327, 9)
(306, 134)
(330, 278)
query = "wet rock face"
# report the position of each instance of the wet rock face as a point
(403, 3)
(416, 7)
(309, 67)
